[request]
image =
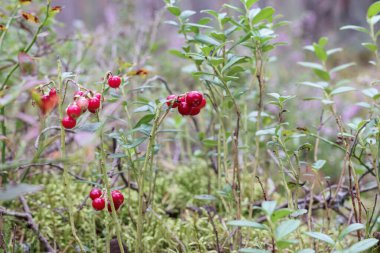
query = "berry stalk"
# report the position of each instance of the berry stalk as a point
(105, 177)
(66, 178)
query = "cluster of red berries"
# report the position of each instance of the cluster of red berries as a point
(190, 103)
(82, 102)
(48, 102)
(99, 202)
(86, 101)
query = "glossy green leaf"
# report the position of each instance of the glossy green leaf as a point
(354, 27)
(342, 89)
(246, 223)
(351, 228)
(373, 9)
(285, 228)
(264, 14)
(363, 245)
(321, 237)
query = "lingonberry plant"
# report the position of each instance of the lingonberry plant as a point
(227, 143)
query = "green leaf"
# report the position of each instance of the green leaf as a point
(324, 75)
(306, 251)
(319, 85)
(318, 164)
(144, 120)
(135, 143)
(186, 13)
(342, 67)
(206, 40)
(232, 61)
(311, 65)
(373, 10)
(89, 127)
(174, 10)
(286, 228)
(269, 131)
(252, 250)
(342, 89)
(281, 213)
(249, 3)
(205, 197)
(233, 7)
(370, 92)
(351, 228)
(333, 51)
(298, 212)
(269, 207)
(354, 27)
(246, 223)
(209, 143)
(374, 19)
(363, 245)
(372, 47)
(12, 191)
(321, 236)
(320, 52)
(266, 13)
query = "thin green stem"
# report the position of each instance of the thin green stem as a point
(66, 178)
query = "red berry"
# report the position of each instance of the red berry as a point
(45, 99)
(194, 98)
(184, 108)
(52, 92)
(110, 208)
(68, 122)
(73, 111)
(203, 103)
(114, 81)
(93, 104)
(78, 94)
(98, 96)
(98, 204)
(181, 99)
(95, 193)
(194, 111)
(82, 102)
(117, 197)
(172, 103)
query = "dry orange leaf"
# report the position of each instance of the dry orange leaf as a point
(25, 1)
(56, 9)
(2, 27)
(30, 17)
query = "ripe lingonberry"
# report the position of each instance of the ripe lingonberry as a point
(98, 96)
(98, 204)
(73, 111)
(114, 81)
(68, 122)
(184, 108)
(194, 98)
(53, 92)
(117, 197)
(172, 103)
(93, 104)
(203, 104)
(110, 208)
(194, 111)
(95, 193)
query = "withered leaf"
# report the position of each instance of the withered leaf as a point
(56, 9)
(30, 17)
